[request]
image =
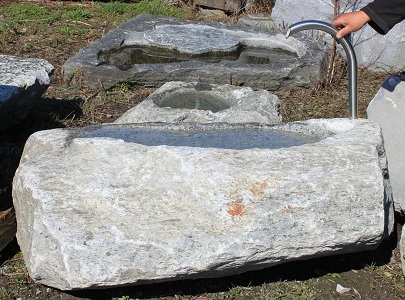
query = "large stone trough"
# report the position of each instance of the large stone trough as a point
(153, 50)
(133, 204)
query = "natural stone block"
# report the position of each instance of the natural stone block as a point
(153, 50)
(205, 103)
(388, 109)
(257, 20)
(22, 82)
(232, 6)
(373, 51)
(134, 204)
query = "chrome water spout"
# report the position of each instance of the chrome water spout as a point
(351, 56)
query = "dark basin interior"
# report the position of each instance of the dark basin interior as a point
(238, 139)
(194, 100)
(125, 57)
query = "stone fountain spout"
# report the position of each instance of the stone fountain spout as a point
(350, 54)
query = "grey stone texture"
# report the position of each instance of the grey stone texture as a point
(205, 103)
(257, 20)
(301, 66)
(22, 82)
(402, 249)
(388, 109)
(116, 204)
(373, 51)
(231, 6)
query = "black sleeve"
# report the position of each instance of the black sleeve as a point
(384, 14)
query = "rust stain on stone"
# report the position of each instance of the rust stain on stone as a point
(257, 188)
(236, 208)
(287, 208)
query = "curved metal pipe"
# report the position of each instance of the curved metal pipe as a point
(351, 56)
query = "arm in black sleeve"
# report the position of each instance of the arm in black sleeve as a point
(384, 14)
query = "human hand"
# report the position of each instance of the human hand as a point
(350, 22)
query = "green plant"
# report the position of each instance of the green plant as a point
(126, 85)
(371, 266)
(69, 30)
(333, 275)
(8, 25)
(24, 12)
(117, 8)
(124, 298)
(79, 14)
(159, 7)
(4, 294)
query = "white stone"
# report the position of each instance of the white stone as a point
(95, 207)
(388, 109)
(241, 105)
(342, 290)
(373, 51)
(22, 82)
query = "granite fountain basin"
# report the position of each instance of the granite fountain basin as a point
(141, 203)
(205, 103)
(153, 50)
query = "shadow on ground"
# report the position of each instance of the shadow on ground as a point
(45, 114)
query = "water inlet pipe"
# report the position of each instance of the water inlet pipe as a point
(350, 55)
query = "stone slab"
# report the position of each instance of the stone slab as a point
(257, 20)
(373, 51)
(231, 6)
(116, 204)
(303, 68)
(388, 109)
(22, 82)
(171, 103)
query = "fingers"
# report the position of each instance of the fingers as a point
(343, 32)
(350, 22)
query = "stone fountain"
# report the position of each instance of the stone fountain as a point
(205, 103)
(141, 203)
(195, 194)
(153, 50)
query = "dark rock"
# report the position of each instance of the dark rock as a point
(106, 62)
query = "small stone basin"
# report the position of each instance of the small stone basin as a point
(178, 101)
(196, 100)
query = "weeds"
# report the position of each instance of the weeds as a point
(79, 14)
(155, 7)
(117, 8)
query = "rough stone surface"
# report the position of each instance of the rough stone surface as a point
(22, 82)
(242, 105)
(192, 39)
(231, 6)
(257, 20)
(388, 109)
(97, 207)
(212, 12)
(373, 51)
(302, 68)
(402, 249)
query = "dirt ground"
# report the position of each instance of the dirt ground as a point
(55, 31)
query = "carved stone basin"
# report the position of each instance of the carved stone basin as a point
(153, 50)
